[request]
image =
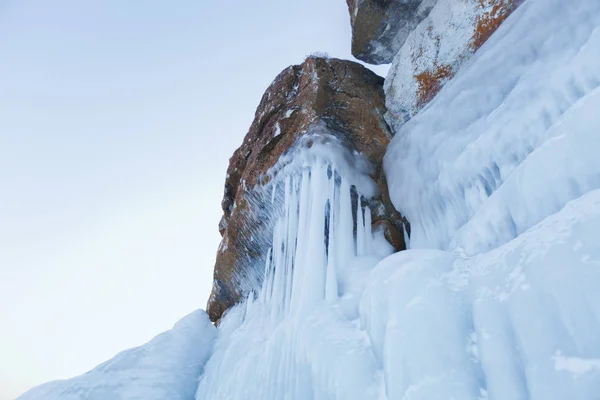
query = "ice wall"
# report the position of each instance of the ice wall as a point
(499, 178)
(518, 322)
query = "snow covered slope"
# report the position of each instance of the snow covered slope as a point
(165, 368)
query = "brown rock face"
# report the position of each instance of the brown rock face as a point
(345, 100)
(380, 27)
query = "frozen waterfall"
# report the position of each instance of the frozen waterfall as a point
(286, 336)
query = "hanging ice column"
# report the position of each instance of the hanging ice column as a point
(313, 240)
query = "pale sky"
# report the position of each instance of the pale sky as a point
(117, 120)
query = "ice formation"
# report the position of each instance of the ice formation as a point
(499, 295)
(286, 338)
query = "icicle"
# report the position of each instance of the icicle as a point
(360, 228)
(249, 304)
(273, 193)
(331, 286)
(368, 233)
(303, 217)
(406, 237)
(292, 214)
(315, 261)
(267, 277)
(278, 272)
(344, 234)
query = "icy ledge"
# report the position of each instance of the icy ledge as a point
(166, 368)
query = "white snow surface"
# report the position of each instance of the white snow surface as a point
(166, 368)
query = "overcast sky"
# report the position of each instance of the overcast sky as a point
(117, 120)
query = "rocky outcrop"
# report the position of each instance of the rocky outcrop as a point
(427, 41)
(342, 98)
(434, 52)
(380, 27)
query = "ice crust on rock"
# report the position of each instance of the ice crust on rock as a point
(436, 50)
(166, 368)
(483, 145)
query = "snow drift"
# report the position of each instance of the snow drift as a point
(167, 367)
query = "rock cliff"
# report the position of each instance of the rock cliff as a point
(331, 96)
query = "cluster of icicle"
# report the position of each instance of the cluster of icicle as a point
(284, 340)
(313, 239)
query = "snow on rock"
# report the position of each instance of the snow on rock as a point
(510, 139)
(436, 49)
(166, 368)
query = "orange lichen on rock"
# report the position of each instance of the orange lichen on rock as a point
(431, 81)
(490, 20)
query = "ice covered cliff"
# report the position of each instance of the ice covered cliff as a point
(498, 296)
